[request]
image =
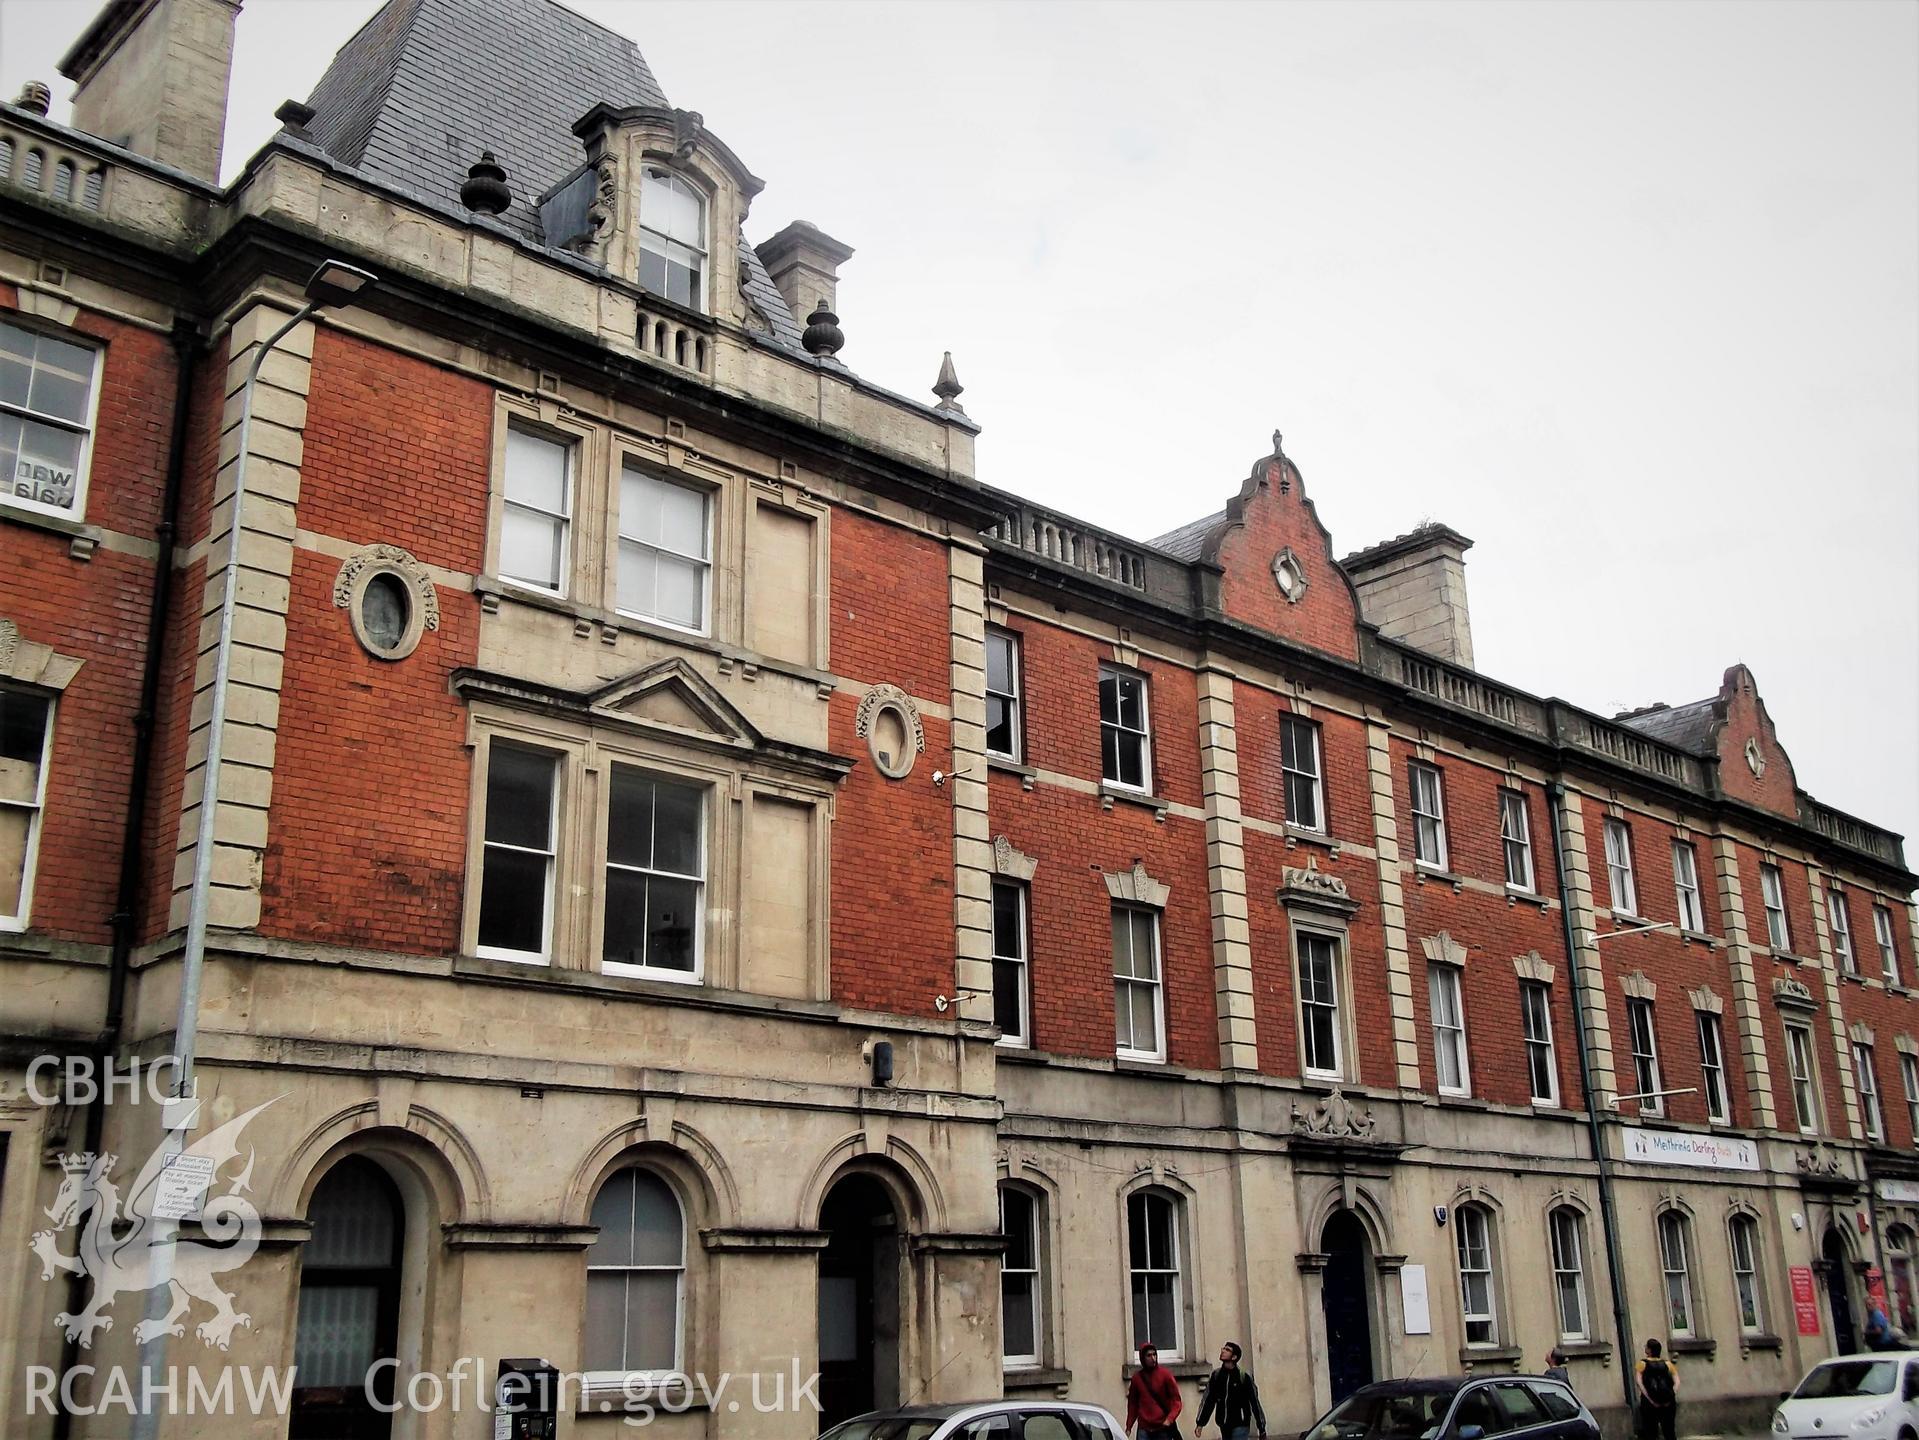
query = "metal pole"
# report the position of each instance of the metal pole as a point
(186, 1028)
(1608, 1216)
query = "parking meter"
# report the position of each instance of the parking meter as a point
(526, 1401)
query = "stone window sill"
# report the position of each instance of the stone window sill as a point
(1786, 957)
(1462, 1101)
(1182, 1369)
(1476, 1355)
(1761, 1342)
(1005, 766)
(1300, 835)
(1109, 792)
(1517, 896)
(609, 1398)
(1699, 937)
(1855, 978)
(1037, 1377)
(1422, 873)
(1694, 1345)
(82, 539)
(1586, 1349)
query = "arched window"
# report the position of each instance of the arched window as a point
(1473, 1235)
(1899, 1259)
(96, 182)
(1568, 1228)
(1675, 1260)
(1153, 1258)
(672, 237)
(1742, 1232)
(63, 180)
(1021, 1283)
(634, 1277)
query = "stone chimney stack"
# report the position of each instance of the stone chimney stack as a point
(1414, 589)
(152, 75)
(804, 262)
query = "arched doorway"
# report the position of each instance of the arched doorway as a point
(859, 1318)
(349, 1308)
(1845, 1335)
(1346, 1294)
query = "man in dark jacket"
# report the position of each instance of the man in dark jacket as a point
(1233, 1395)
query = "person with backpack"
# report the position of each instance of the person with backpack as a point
(1233, 1396)
(1658, 1382)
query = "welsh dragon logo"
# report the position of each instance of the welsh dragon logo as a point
(118, 1248)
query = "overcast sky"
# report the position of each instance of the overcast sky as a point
(1627, 293)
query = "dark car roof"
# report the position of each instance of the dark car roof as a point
(1428, 1385)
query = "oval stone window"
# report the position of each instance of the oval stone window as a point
(890, 741)
(385, 610)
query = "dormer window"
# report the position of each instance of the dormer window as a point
(672, 237)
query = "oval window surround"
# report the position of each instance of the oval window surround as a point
(389, 600)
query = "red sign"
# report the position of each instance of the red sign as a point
(1805, 1301)
(1876, 1286)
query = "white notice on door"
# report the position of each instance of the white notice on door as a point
(1412, 1294)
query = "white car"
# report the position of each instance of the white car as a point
(983, 1420)
(1855, 1397)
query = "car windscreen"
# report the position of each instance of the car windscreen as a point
(1847, 1378)
(886, 1427)
(1385, 1416)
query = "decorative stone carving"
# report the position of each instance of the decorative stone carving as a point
(888, 721)
(1791, 992)
(1290, 575)
(1334, 1118)
(1314, 888)
(1533, 966)
(1755, 759)
(9, 643)
(1442, 949)
(1010, 862)
(380, 635)
(1862, 1033)
(1136, 887)
(32, 663)
(1706, 1000)
(1821, 1162)
(687, 128)
(1637, 986)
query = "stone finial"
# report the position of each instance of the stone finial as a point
(36, 97)
(1278, 453)
(947, 387)
(823, 334)
(485, 189)
(296, 115)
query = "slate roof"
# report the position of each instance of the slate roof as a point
(1689, 727)
(1189, 540)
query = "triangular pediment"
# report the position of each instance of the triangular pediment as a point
(673, 696)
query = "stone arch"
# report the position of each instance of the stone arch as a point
(438, 1155)
(917, 1198)
(689, 1158)
(1373, 1216)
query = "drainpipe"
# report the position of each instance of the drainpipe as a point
(1608, 1215)
(133, 850)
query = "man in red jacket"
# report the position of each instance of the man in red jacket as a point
(1152, 1397)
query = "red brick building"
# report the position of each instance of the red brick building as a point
(705, 886)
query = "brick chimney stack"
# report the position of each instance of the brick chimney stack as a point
(804, 263)
(152, 75)
(1413, 588)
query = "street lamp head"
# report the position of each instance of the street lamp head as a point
(338, 284)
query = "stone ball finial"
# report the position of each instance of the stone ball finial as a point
(485, 190)
(36, 97)
(823, 334)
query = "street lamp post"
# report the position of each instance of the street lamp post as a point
(336, 285)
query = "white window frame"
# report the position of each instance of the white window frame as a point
(555, 760)
(1157, 984)
(1150, 1196)
(1144, 734)
(1429, 818)
(1685, 880)
(1712, 1068)
(1888, 949)
(1023, 1038)
(697, 975)
(1539, 1041)
(83, 468)
(1566, 1231)
(1015, 710)
(1772, 894)
(36, 809)
(1644, 1044)
(1839, 924)
(1036, 1272)
(652, 171)
(1516, 840)
(1909, 1078)
(1866, 1074)
(622, 540)
(569, 448)
(1333, 1002)
(1674, 1224)
(1467, 1219)
(1298, 726)
(1620, 883)
(613, 1379)
(1802, 1067)
(1447, 1000)
(1742, 1234)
